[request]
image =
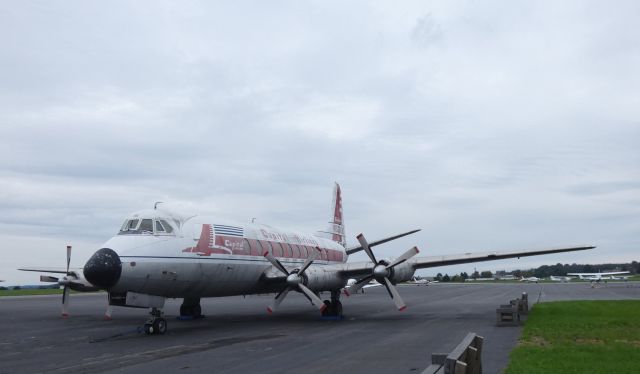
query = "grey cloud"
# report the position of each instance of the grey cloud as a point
(488, 125)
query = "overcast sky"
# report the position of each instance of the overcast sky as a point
(490, 125)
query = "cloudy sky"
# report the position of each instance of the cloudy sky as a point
(490, 125)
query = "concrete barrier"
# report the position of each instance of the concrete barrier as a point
(510, 315)
(464, 359)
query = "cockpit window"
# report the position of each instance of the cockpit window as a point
(136, 226)
(146, 225)
(130, 225)
(167, 226)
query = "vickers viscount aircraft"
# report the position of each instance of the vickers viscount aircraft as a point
(158, 254)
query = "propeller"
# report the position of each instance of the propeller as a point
(65, 291)
(71, 280)
(66, 281)
(382, 270)
(295, 281)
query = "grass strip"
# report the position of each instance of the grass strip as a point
(580, 337)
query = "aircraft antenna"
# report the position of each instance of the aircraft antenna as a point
(155, 206)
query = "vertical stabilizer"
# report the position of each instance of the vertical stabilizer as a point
(336, 224)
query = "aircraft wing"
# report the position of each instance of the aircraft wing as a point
(355, 269)
(435, 261)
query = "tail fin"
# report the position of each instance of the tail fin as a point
(336, 225)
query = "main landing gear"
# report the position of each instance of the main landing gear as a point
(155, 325)
(334, 307)
(190, 308)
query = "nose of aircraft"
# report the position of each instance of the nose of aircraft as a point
(103, 268)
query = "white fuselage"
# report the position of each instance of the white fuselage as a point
(202, 258)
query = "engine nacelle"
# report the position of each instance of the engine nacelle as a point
(318, 279)
(399, 273)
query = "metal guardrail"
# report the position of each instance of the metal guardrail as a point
(464, 359)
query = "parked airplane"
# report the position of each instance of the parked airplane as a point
(598, 276)
(352, 281)
(560, 278)
(158, 254)
(416, 280)
(530, 279)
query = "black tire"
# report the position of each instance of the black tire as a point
(197, 311)
(337, 308)
(160, 326)
(185, 311)
(148, 329)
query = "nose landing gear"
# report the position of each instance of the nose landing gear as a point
(155, 325)
(334, 307)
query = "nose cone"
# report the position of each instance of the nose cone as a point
(103, 268)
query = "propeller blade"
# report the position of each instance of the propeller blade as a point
(65, 302)
(315, 300)
(278, 299)
(274, 261)
(367, 249)
(68, 258)
(404, 257)
(108, 312)
(46, 278)
(354, 288)
(309, 261)
(395, 295)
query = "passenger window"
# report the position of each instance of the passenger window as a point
(159, 228)
(285, 250)
(276, 248)
(146, 225)
(295, 252)
(303, 251)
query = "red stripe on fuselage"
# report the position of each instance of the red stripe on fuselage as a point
(237, 246)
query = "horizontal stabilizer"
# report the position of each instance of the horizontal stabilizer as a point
(48, 270)
(359, 248)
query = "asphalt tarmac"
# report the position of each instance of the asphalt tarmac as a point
(239, 336)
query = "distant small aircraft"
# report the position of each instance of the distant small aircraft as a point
(597, 277)
(416, 280)
(352, 281)
(530, 279)
(560, 278)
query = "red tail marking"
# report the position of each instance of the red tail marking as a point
(403, 308)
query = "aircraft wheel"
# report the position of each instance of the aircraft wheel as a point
(185, 310)
(337, 308)
(159, 326)
(197, 311)
(148, 328)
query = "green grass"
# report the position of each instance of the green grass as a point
(580, 337)
(48, 291)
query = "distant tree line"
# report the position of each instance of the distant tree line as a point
(546, 271)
